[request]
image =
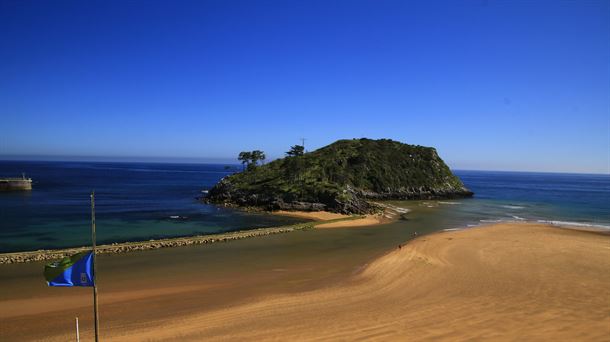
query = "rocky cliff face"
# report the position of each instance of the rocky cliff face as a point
(342, 177)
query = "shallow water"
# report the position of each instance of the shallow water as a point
(136, 201)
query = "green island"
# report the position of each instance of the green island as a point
(347, 177)
(342, 177)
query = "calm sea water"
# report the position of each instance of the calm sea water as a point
(134, 201)
(139, 201)
(580, 200)
(572, 199)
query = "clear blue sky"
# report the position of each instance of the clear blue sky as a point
(519, 85)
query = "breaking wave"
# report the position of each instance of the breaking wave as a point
(574, 224)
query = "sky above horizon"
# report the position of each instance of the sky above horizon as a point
(493, 85)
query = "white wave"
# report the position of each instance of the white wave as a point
(513, 218)
(551, 222)
(399, 210)
(515, 207)
(445, 202)
(452, 229)
(574, 224)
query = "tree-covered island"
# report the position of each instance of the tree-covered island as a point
(341, 177)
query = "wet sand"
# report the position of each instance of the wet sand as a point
(342, 221)
(369, 220)
(504, 282)
(310, 215)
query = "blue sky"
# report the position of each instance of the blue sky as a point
(519, 85)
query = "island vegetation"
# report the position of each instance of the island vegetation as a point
(342, 177)
(250, 159)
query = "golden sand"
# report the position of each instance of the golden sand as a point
(513, 282)
(368, 220)
(311, 215)
(506, 282)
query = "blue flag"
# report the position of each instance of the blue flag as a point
(75, 270)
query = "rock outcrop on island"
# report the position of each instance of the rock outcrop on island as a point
(342, 177)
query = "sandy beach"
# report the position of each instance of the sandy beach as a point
(501, 282)
(342, 221)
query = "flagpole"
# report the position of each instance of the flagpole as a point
(95, 314)
(77, 332)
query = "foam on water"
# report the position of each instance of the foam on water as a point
(574, 224)
(514, 207)
(492, 221)
(551, 222)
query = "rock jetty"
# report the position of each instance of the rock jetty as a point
(44, 255)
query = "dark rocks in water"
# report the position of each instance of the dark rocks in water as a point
(342, 177)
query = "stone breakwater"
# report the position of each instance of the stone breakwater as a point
(43, 255)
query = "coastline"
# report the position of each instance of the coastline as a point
(321, 219)
(470, 277)
(334, 220)
(464, 276)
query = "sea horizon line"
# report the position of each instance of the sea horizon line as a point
(227, 162)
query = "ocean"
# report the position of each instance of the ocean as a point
(142, 201)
